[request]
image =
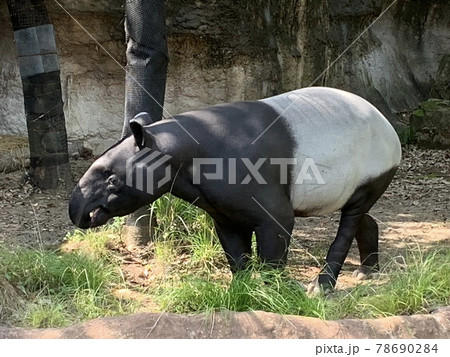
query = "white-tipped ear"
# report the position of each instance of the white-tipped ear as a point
(138, 132)
(143, 118)
(137, 128)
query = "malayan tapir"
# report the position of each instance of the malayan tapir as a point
(254, 166)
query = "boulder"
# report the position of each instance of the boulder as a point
(430, 124)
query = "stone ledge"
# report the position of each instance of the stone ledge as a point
(246, 325)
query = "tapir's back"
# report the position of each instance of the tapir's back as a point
(342, 135)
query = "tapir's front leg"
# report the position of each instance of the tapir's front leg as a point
(274, 234)
(236, 241)
(273, 244)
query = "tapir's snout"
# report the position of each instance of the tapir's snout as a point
(78, 213)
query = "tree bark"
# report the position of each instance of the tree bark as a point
(39, 70)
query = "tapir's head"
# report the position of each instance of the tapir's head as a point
(117, 183)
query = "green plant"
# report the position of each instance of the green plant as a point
(184, 228)
(54, 288)
(62, 287)
(46, 313)
(11, 300)
(259, 288)
(424, 283)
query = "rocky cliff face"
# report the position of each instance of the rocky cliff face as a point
(393, 63)
(233, 50)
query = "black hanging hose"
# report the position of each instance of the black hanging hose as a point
(147, 59)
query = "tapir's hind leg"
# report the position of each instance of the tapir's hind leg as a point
(354, 222)
(367, 239)
(338, 251)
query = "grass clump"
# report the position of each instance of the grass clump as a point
(420, 286)
(11, 301)
(184, 229)
(40, 288)
(259, 288)
(63, 287)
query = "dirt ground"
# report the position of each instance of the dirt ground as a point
(414, 212)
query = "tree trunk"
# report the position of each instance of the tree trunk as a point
(39, 70)
(145, 83)
(147, 59)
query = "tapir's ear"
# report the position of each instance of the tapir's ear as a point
(139, 132)
(137, 128)
(143, 118)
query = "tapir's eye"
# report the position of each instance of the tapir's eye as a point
(112, 180)
(107, 173)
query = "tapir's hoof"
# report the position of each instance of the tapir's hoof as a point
(365, 272)
(315, 289)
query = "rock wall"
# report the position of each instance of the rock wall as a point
(396, 64)
(392, 63)
(235, 50)
(92, 80)
(12, 112)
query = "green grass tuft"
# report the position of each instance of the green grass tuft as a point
(424, 285)
(65, 287)
(46, 313)
(421, 286)
(259, 288)
(183, 228)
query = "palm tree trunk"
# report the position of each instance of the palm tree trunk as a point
(39, 70)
